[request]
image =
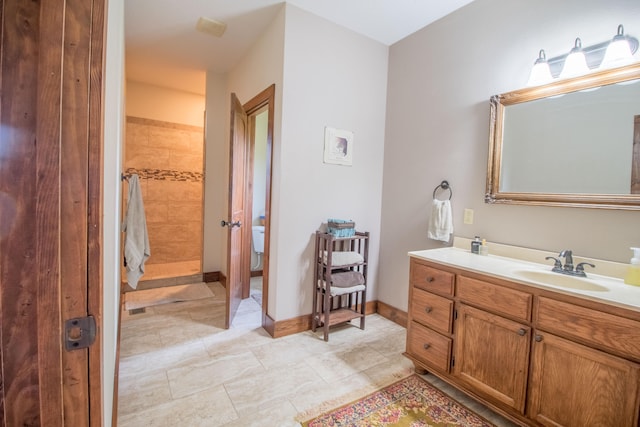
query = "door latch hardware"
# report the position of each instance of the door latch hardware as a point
(230, 224)
(79, 332)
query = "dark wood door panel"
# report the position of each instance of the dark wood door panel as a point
(50, 186)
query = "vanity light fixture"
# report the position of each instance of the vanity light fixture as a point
(581, 60)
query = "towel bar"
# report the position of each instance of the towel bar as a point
(445, 186)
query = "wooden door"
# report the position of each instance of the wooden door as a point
(50, 209)
(236, 216)
(575, 386)
(492, 355)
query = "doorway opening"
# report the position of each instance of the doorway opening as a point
(251, 155)
(260, 113)
(164, 146)
(258, 129)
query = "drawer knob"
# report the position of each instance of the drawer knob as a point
(522, 332)
(426, 346)
(430, 279)
(428, 309)
(538, 338)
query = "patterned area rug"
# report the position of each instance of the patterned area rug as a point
(411, 402)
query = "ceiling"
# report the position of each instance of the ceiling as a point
(164, 48)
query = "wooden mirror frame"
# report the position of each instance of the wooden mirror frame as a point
(494, 166)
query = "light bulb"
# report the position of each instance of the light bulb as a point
(575, 64)
(540, 73)
(618, 52)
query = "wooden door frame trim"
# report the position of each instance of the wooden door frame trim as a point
(95, 184)
(265, 98)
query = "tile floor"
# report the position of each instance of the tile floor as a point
(180, 367)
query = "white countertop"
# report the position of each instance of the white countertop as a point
(617, 292)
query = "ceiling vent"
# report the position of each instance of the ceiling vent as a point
(210, 26)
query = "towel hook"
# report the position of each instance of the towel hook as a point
(445, 186)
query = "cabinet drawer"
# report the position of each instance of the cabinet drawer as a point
(431, 279)
(608, 331)
(432, 310)
(495, 298)
(429, 347)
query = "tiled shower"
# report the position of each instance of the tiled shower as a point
(168, 158)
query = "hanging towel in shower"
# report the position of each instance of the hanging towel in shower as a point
(136, 244)
(440, 223)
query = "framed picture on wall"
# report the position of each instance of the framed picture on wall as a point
(338, 146)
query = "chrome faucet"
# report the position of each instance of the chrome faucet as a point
(568, 264)
(568, 260)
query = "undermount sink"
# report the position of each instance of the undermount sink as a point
(561, 280)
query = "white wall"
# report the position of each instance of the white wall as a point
(325, 75)
(216, 188)
(113, 140)
(258, 69)
(440, 82)
(164, 104)
(332, 77)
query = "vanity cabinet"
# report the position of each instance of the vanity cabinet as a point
(538, 357)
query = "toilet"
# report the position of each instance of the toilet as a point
(258, 238)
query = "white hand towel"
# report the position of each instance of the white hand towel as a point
(136, 244)
(440, 223)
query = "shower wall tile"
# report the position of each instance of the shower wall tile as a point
(137, 134)
(176, 191)
(173, 232)
(196, 139)
(166, 138)
(188, 162)
(190, 143)
(184, 211)
(145, 157)
(175, 243)
(156, 213)
(184, 251)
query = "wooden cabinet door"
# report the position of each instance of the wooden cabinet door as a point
(573, 385)
(492, 356)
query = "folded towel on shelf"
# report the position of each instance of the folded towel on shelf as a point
(335, 291)
(340, 258)
(136, 244)
(345, 282)
(347, 279)
(441, 222)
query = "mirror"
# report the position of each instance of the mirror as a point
(574, 142)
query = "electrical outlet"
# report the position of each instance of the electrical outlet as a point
(468, 216)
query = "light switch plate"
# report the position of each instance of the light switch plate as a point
(468, 216)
